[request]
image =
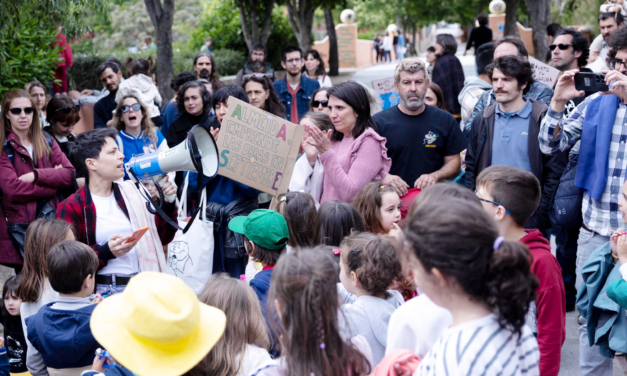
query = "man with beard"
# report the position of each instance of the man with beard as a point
(609, 22)
(205, 68)
(257, 64)
(110, 75)
(294, 90)
(506, 133)
(423, 142)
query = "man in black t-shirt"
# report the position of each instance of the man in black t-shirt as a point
(423, 142)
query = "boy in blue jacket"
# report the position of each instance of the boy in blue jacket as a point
(60, 330)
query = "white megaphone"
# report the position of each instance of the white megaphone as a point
(197, 153)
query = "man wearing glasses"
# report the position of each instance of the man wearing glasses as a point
(294, 90)
(600, 123)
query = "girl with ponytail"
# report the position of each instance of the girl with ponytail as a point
(303, 299)
(462, 264)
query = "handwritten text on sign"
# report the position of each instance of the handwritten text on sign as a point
(257, 148)
(543, 73)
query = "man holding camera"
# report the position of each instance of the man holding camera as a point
(600, 122)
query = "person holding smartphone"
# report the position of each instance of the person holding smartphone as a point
(105, 213)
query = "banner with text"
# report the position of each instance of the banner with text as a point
(544, 73)
(387, 92)
(258, 149)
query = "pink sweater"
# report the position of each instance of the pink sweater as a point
(352, 163)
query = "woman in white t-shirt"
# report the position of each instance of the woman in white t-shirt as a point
(105, 213)
(486, 283)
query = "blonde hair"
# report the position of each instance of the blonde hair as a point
(245, 324)
(35, 134)
(411, 65)
(147, 125)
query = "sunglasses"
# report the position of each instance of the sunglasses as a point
(67, 109)
(126, 108)
(615, 64)
(17, 110)
(315, 104)
(561, 46)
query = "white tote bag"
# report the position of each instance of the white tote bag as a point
(190, 255)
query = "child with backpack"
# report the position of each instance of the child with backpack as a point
(511, 195)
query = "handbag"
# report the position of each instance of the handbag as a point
(190, 254)
(17, 231)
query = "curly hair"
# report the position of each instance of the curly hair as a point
(374, 260)
(580, 43)
(618, 42)
(514, 66)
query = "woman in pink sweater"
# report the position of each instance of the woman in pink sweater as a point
(354, 154)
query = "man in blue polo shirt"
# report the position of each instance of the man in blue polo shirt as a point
(506, 133)
(294, 90)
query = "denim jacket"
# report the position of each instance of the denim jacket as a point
(305, 92)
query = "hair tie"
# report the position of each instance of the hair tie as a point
(498, 242)
(383, 186)
(284, 198)
(337, 251)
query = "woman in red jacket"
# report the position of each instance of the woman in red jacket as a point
(32, 169)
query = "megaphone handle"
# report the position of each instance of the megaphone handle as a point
(169, 198)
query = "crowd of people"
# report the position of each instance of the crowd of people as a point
(412, 241)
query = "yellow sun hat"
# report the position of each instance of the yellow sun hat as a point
(157, 326)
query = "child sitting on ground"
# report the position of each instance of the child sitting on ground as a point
(306, 309)
(243, 347)
(381, 208)
(60, 330)
(16, 347)
(368, 265)
(511, 195)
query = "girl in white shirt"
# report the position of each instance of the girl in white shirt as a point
(462, 264)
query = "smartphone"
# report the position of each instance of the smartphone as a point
(590, 81)
(137, 234)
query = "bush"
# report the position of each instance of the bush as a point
(28, 55)
(82, 75)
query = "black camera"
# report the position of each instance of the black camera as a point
(590, 81)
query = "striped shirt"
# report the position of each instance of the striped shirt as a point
(601, 216)
(482, 347)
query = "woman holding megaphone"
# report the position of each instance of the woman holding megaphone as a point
(108, 212)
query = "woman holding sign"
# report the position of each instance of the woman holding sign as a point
(354, 154)
(261, 94)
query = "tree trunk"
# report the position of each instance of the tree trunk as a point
(540, 15)
(511, 17)
(300, 16)
(334, 60)
(162, 17)
(250, 20)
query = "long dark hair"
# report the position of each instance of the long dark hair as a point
(438, 94)
(458, 239)
(273, 105)
(358, 98)
(304, 285)
(336, 220)
(299, 211)
(320, 71)
(10, 287)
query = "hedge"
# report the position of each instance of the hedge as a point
(82, 74)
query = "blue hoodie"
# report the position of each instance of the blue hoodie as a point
(63, 337)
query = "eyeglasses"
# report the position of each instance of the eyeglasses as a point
(126, 108)
(293, 61)
(315, 104)
(68, 109)
(256, 75)
(17, 110)
(615, 64)
(492, 202)
(561, 46)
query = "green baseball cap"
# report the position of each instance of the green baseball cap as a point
(266, 228)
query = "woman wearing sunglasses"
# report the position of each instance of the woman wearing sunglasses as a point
(320, 100)
(136, 132)
(33, 170)
(261, 94)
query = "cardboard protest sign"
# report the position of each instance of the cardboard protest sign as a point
(387, 92)
(543, 73)
(258, 149)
